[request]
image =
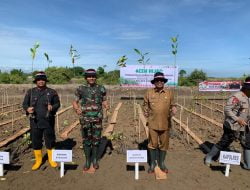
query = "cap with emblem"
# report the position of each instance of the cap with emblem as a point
(40, 76)
(90, 73)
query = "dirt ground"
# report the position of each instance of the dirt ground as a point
(184, 159)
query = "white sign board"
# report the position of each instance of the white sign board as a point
(230, 157)
(4, 157)
(137, 156)
(62, 155)
(141, 75)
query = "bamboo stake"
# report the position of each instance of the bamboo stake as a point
(57, 123)
(67, 130)
(143, 120)
(13, 137)
(113, 98)
(218, 110)
(187, 133)
(63, 110)
(9, 121)
(181, 117)
(2, 102)
(114, 116)
(139, 130)
(196, 138)
(204, 117)
(109, 130)
(7, 95)
(9, 105)
(12, 118)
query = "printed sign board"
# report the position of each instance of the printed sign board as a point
(219, 86)
(230, 157)
(4, 157)
(62, 155)
(134, 156)
(141, 75)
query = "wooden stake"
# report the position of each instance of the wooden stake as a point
(57, 123)
(7, 96)
(181, 117)
(203, 117)
(13, 137)
(12, 122)
(187, 129)
(196, 138)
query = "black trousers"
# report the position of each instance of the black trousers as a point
(37, 135)
(229, 136)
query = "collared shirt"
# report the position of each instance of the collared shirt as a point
(157, 106)
(237, 106)
(91, 99)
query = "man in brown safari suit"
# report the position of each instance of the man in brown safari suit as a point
(158, 108)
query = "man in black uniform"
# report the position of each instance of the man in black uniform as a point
(41, 104)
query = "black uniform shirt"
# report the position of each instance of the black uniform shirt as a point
(40, 99)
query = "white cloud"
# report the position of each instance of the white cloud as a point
(133, 35)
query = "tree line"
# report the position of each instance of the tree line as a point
(65, 75)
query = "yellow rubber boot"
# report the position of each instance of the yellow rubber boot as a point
(51, 162)
(38, 158)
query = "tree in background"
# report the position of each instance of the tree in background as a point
(182, 73)
(100, 71)
(4, 78)
(77, 71)
(197, 76)
(59, 75)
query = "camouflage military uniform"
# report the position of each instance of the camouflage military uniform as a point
(91, 98)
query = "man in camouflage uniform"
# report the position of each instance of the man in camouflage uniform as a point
(41, 104)
(236, 124)
(89, 101)
(158, 108)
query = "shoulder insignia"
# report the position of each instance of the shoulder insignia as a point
(235, 100)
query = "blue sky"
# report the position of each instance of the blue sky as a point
(213, 34)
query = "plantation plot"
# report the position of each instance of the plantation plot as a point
(184, 159)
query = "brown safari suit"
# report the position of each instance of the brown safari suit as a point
(156, 108)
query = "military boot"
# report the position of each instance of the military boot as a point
(246, 164)
(87, 152)
(213, 152)
(161, 163)
(152, 154)
(94, 157)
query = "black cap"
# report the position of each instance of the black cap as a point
(246, 84)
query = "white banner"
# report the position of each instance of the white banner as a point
(141, 76)
(220, 86)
